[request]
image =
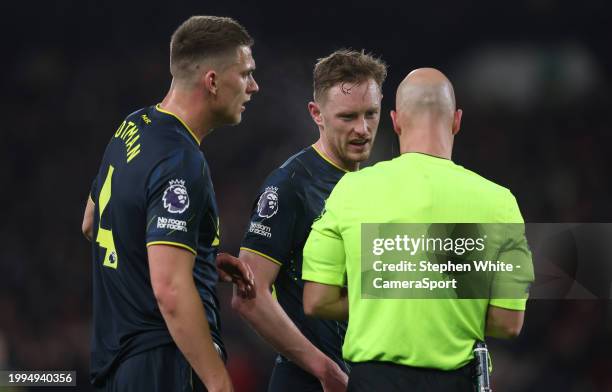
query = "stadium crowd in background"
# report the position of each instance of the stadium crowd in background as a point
(536, 101)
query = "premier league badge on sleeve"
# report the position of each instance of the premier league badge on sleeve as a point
(176, 199)
(267, 205)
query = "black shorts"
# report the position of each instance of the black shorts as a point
(389, 377)
(161, 369)
(287, 376)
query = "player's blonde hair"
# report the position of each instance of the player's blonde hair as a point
(346, 65)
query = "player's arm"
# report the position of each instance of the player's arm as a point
(504, 323)
(236, 271)
(88, 219)
(271, 322)
(325, 301)
(181, 306)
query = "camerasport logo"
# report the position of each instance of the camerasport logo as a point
(267, 205)
(176, 199)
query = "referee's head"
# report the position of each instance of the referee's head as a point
(426, 118)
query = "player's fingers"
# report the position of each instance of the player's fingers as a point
(244, 274)
(244, 270)
(249, 293)
(223, 275)
(241, 285)
(243, 292)
(249, 275)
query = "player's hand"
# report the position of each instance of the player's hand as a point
(334, 379)
(232, 269)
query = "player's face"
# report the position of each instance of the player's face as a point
(349, 120)
(235, 87)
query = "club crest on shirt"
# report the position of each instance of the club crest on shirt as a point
(176, 199)
(267, 205)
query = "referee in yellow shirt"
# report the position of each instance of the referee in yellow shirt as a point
(413, 344)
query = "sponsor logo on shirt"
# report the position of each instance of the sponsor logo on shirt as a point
(171, 224)
(176, 199)
(262, 230)
(267, 205)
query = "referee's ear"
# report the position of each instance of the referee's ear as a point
(457, 121)
(396, 126)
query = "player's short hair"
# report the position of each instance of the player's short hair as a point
(346, 65)
(202, 38)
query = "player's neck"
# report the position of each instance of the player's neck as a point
(184, 104)
(426, 142)
(329, 154)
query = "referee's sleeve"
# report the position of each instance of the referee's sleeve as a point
(511, 289)
(324, 255)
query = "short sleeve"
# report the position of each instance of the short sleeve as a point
(324, 255)
(176, 195)
(93, 189)
(271, 230)
(511, 289)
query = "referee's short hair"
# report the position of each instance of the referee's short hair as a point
(346, 65)
(202, 38)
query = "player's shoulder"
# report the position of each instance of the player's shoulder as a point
(138, 113)
(183, 156)
(298, 163)
(164, 129)
(294, 169)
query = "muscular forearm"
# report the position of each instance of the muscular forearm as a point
(185, 317)
(325, 301)
(271, 322)
(504, 323)
(333, 310)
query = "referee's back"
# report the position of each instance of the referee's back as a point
(416, 188)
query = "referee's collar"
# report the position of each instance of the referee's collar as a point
(422, 154)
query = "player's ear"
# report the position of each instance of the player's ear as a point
(457, 121)
(396, 126)
(315, 113)
(210, 82)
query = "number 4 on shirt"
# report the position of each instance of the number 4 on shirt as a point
(105, 236)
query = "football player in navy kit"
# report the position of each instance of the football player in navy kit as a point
(346, 110)
(153, 222)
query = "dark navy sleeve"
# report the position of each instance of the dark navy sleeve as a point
(92, 190)
(176, 194)
(275, 210)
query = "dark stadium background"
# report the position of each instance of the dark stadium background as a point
(533, 78)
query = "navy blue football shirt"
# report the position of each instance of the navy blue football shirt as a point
(153, 187)
(290, 199)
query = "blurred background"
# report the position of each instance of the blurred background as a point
(533, 78)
